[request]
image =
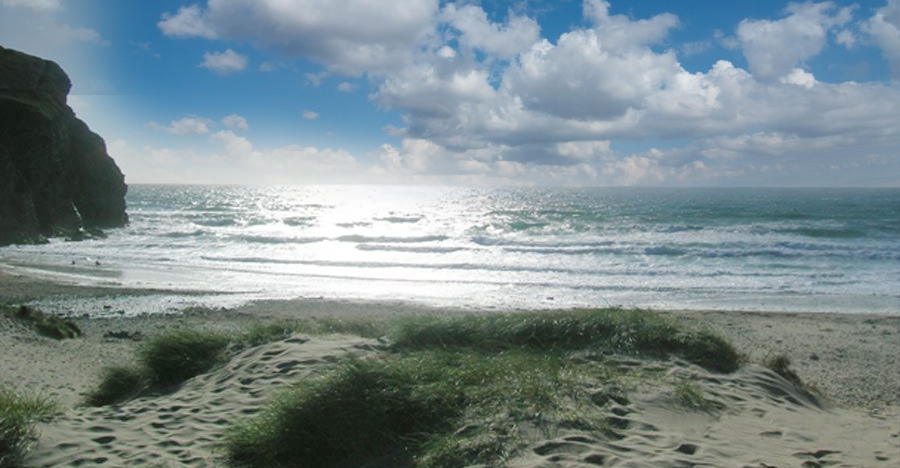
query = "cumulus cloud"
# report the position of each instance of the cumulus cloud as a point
(477, 33)
(619, 31)
(184, 126)
(884, 29)
(359, 36)
(225, 63)
(310, 115)
(488, 100)
(187, 22)
(235, 121)
(774, 48)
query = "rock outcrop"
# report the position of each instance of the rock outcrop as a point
(56, 178)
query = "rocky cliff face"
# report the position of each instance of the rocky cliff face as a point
(56, 178)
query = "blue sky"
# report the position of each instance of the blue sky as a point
(481, 93)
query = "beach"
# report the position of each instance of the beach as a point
(757, 418)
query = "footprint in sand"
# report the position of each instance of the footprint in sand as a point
(687, 448)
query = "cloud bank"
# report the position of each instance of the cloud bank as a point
(488, 100)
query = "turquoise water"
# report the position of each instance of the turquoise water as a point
(728, 249)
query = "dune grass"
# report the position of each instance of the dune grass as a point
(461, 390)
(18, 416)
(177, 356)
(117, 383)
(49, 325)
(610, 330)
(781, 365)
(424, 408)
(163, 361)
(170, 358)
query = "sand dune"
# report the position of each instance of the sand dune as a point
(757, 419)
(752, 418)
(184, 428)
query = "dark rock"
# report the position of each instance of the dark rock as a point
(56, 178)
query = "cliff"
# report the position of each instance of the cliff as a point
(56, 178)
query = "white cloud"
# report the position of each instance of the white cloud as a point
(618, 31)
(359, 36)
(346, 87)
(476, 32)
(884, 29)
(37, 5)
(83, 35)
(33, 26)
(315, 79)
(310, 115)
(774, 48)
(583, 150)
(184, 126)
(846, 38)
(695, 48)
(224, 63)
(188, 22)
(235, 121)
(234, 146)
(726, 41)
(580, 78)
(288, 164)
(491, 101)
(800, 78)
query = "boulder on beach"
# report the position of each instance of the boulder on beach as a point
(56, 178)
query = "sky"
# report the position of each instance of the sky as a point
(489, 93)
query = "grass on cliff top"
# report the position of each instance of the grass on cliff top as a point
(462, 390)
(51, 326)
(18, 416)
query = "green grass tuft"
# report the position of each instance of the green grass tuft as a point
(612, 330)
(163, 360)
(117, 383)
(51, 326)
(781, 365)
(18, 416)
(462, 390)
(691, 395)
(177, 356)
(405, 410)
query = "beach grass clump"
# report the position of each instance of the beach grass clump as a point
(464, 390)
(268, 332)
(413, 409)
(781, 365)
(117, 383)
(18, 416)
(691, 395)
(49, 325)
(611, 330)
(163, 361)
(177, 356)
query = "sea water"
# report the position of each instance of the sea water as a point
(534, 248)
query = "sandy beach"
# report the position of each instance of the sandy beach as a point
(758, 419)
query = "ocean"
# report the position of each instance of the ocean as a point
(811, 250)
